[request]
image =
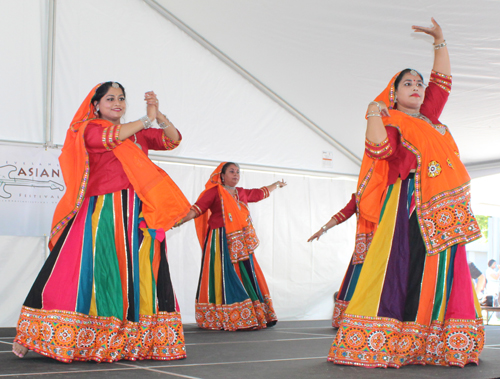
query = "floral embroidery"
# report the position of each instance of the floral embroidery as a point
(449, 163)
(434, 169)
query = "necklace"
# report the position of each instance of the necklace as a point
(440, 128)
(236, 195)
(136, 143)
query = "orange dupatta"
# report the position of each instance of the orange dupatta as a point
(163, 202)
(442, 193)
(241, 237)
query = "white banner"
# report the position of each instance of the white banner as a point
(31, 185)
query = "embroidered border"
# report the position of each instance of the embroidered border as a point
(266, 192)
(79, 200)
(385, 342)
(196, 209)
(363, 242)
(169, 143)
(231, 317)
(338, 312)
(68, 336)
(242, 243)
(446, 219)
(370, 143)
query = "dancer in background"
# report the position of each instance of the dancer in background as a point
(232, 291)
(105, 293)
(414, 302)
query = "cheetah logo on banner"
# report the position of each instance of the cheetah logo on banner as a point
(31, 185)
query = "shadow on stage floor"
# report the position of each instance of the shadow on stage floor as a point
(292, 349)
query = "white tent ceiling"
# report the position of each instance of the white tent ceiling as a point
(328, 59)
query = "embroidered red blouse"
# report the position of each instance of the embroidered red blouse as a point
(211, 200)
(402, 161)
(106, 173)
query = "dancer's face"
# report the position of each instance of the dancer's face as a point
(112, 106)
(232, 176)
(410, 92)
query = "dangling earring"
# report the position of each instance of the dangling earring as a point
(96, 112)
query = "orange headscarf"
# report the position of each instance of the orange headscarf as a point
(163, 202)
(441, 181)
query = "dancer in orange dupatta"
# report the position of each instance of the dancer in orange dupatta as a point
(105, 293)
(414, 302)
(232, 291)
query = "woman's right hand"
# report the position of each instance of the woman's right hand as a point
(381, 107)
(316, 235)
(152, 105)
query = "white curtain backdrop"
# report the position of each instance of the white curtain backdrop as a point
(302, 276)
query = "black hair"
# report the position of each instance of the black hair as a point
(490, 262)
(226, 165)
(103, 90)
(402, 73)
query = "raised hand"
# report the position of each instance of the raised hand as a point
(434, 31)
(152, 104)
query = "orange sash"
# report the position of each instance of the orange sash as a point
(240, 233)
(442, 192)
(163, 202)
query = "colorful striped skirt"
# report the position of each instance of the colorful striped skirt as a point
(346, 291)
(104, 293)
(408, 307)
(231, 296)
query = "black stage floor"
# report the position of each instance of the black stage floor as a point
(292, 349)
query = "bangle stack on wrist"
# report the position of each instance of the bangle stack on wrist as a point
(325, 229)
(377, 104)
(163, 125)
(372, 114)
(439, 45)
(146, 122)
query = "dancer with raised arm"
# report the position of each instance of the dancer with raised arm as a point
(414, 302)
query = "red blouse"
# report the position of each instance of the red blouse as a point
(347, 211)
(402, 161)
(211, 200)
(106, 173)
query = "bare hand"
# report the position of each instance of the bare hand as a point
(152, 104)
(280, 184)
(385, 110)
(316, 235)
(434, 31)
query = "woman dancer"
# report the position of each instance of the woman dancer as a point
(104, 293)
(414, 302)
(232, 291)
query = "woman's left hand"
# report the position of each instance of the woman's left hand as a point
(435, 31)
(151, 99)
(280, 184)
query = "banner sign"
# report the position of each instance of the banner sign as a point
(31, 185)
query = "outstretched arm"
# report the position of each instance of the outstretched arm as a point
(441, 56)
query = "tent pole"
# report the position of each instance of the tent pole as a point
(49, 91)
(224, 58)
